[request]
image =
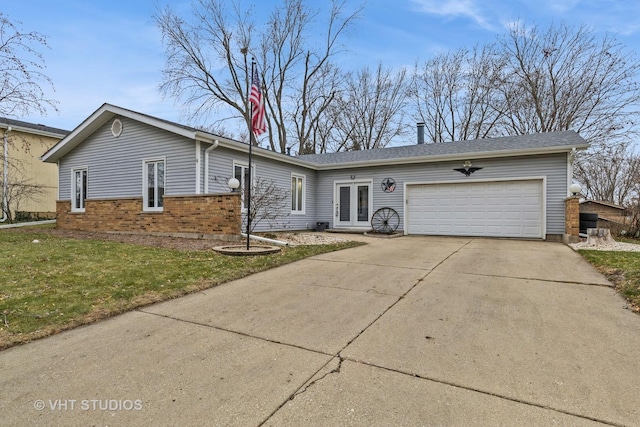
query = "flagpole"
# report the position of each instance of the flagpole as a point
(251, 138)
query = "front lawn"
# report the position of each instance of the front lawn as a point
(59, 283)
(621, 269)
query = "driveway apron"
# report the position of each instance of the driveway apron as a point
(406, 331)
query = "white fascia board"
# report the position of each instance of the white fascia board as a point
(242, 147)
(261, 152)
(74, 138)
(32, 131)
(102, 115)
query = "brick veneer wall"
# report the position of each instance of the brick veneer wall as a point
(572, 216)
(209, 214)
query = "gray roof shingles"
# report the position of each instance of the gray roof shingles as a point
(34, 126)
(510, 144)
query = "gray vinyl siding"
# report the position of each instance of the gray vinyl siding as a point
(553, 167)
(115, 171)
(115, 164)
(221, 161)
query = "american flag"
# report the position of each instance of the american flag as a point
(258, 122)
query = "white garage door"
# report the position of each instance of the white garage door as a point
(495, 209)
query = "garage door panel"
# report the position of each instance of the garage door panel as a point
(531, 230)
(508, 216)
(531, 216)
(471, 216)
(501, 209)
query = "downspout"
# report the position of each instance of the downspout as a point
(570, 159)
(266, 240)
(206, 165)
(198, 155)
(5, 197)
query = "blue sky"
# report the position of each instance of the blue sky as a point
(111, 51)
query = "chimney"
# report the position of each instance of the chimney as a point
(420, 132)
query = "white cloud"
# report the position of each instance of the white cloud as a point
(563, 6)
(454, 9)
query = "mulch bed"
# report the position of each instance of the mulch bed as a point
(180, 243)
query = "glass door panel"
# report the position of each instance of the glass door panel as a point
(363, 203)
(345, 204)
(352, 207)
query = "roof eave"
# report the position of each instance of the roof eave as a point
(452, 157)
(598, 202)
(99, 118)
(32, 130)
(242, 147)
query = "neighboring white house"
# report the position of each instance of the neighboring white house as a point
(120, 170)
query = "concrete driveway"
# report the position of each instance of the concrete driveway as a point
(407, 331)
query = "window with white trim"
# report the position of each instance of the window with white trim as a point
(241, 173)
(297, 193)
(154, 181)
(78, 189)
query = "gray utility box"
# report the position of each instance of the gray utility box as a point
(321, 226)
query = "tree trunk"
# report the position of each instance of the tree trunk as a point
(599, 237)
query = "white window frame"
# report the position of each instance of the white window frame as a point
(294, 196)
(145, 194)
(83, 191)
(244, 167)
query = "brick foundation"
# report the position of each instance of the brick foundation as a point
(572, 216)
(209, 214)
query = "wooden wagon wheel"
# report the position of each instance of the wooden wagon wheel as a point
(385, 221)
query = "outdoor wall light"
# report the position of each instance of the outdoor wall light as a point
(575, 189)
(233, 184)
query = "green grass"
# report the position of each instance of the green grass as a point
(61, 283)
(622, 269)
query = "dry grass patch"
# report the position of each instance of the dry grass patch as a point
(61, 282)
(620, 268)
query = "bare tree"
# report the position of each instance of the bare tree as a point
(610, 174)
(369, 112)
(20, 190)
(301, 76)
(453, 94)
(22, 92)
(269, 203)
(208, 62)
(532, 81)
(314, 109)
(565, 78)
(633, 224)
(22, 78)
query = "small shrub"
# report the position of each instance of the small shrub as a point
(25, 217)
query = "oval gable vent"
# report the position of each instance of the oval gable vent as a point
(116, 128)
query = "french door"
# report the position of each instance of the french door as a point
(352, 204)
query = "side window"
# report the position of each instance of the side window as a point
(297, 193)
(79, 178)
(241, 173)
(154, 183)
